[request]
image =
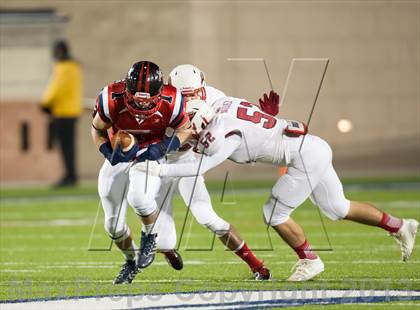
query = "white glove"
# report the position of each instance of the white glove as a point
(149, 167)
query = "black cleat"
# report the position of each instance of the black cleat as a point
(147, 250)
(127, 273)
(262, 273)
(174, 259)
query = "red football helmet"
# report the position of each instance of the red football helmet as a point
(143, 86)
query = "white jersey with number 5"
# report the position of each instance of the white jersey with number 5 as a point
(261, 134)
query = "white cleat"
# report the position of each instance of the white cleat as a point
(306, 269)
(405, 237)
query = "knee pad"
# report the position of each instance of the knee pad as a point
(337, 210)
(218, 225)
(116, 231)
(143, 204)
(204, 214)
(275, 212)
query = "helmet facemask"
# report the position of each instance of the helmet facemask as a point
(142, 103)
(144, 84)
(191, 94)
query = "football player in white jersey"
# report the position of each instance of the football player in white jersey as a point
(191, 82)
(239, 131)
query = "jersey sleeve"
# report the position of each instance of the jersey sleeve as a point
(204, 163)
(103, 105)
(179, 116)
(212, 139)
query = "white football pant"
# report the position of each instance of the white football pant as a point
(292, 189)
(121, 185)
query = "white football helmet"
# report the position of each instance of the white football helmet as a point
(189, 79)
(201, 114)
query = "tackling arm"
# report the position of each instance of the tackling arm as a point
(184, 132)
(203, 165)
(168, 144)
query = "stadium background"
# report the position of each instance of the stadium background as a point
(52, 241)
(372, 80)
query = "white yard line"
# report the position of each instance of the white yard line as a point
(343, 280)
(408, 304)
(192, 262)
(28, 201)
(41, 223)
(218, 299)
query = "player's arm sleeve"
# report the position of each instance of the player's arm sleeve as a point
(99, 130)
(204, 163)
(102, 105)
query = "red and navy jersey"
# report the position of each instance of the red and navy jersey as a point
(110, 105)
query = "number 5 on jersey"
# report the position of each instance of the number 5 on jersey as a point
(256, 116)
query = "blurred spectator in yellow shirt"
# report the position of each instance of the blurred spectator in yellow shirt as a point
(62, 100)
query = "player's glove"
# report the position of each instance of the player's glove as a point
(118, 156)
(149, 167)
(158, 150)
(270, 104)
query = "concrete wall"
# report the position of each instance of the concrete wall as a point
(372, 79)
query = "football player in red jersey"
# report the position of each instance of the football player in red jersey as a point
(143, 106)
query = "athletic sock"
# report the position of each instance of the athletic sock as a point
(248, 257)
(130, 252)
(305, 251)
(390, 223)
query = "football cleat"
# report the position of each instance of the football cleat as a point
(147, 250)
(173, 259)
(405, 237)
(306, 269)
(127, 273)
(262, 273)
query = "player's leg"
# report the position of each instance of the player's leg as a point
(329, 195)
(290, 191)
(165, 224)
(194, 193)
(142, 193)
(112, 188)
(403, 230)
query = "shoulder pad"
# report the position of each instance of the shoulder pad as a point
(213, 94)
(103, 104)
(169, 93)
(117, 86)
(109, 99)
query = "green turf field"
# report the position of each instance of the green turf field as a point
(45, 236)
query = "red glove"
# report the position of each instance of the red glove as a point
(270, 104)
